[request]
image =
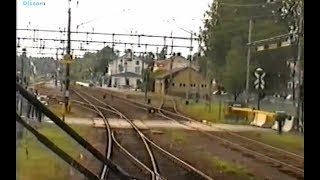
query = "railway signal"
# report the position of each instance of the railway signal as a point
(259, 84)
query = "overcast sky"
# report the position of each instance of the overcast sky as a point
(156, 17)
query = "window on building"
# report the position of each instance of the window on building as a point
(137, 69)
(180, 84)
(121, 60)
(120, 68)
(172, 84)
(137, 62)
(205, 85)
(184, 85)
(202, 85)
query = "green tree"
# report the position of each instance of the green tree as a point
(93, 63)
(235, 70)
(229, 20)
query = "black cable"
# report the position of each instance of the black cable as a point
(49, 144)
(108, 34)
(35, 102)
(74, 49)
(99, 42)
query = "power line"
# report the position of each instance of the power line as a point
(75, 49)
(101, 42)
(51, 54)
(109, 34)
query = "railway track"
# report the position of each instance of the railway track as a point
(114, 152)
(168, 165)
(285, 161)
(283, 157)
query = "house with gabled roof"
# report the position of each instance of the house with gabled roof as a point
(177, 61)
(178, 81)
(126, 71)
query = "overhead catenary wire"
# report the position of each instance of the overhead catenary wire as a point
(77, 49)
(51, 54)
(101, 42)
(108, 34)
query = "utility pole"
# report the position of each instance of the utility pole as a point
(22, 65)
(57, 70)
(189, 70)
(248, 62)
(146, 84)
(145, 81)
(209, 85)
(22, 77)
(299, 113)
(67, 76)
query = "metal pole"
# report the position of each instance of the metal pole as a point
(146, 82)
(22, 66)
(22, 78)
(170, 82)
(248, 62)
(57, 70)
(67, 77)
(258, 101)
(189, 70)
(220, 106)
(299, 71)
(293, 77)
(209, 87)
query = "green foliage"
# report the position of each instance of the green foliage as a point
(225, 37)
(41, 162)
(93, 64)
(235, 70)
(43, 65)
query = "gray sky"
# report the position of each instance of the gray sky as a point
(156, 17)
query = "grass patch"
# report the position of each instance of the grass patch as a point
(226, 167)
(289, 142)
(201, 112)
(75, 111)
(177, 137)
(42, 163)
